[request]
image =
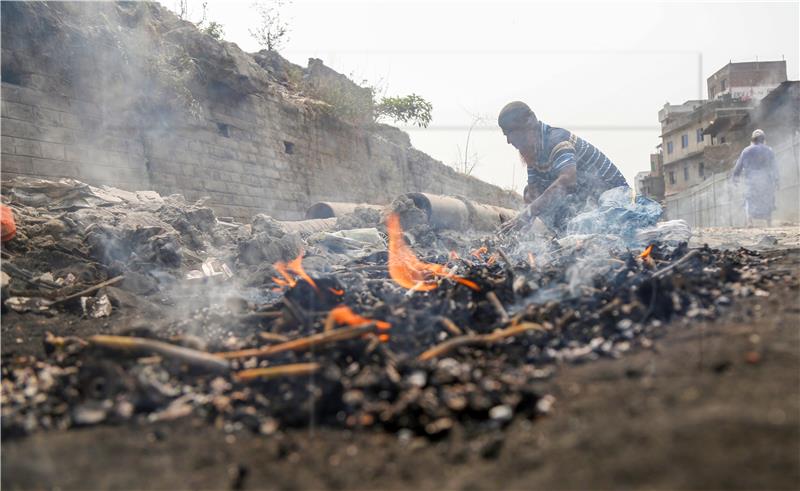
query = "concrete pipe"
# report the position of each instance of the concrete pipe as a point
(487, 217)
(442, 211)
(308, 227)
(330, 209)
(459, 213)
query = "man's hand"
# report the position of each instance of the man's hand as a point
(530, 194)
(516, 223)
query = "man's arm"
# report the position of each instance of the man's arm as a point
(562, 186)
(530, 193)
(737, 169)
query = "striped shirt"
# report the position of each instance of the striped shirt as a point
(561, 150)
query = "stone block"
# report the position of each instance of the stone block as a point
(31, 148)
(16, 110)
(15, 163)
(54, 168)
(20, 129)
(56, 134)
(69, 120)
(54, 151)
(8, 143)
(46, 117)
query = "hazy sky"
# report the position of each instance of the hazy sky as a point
(600, 69)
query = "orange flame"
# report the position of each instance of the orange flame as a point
(454, 256)
(481, 250)
(336, 291)
(492, 259)
(287, 280)
(296, 267)
(344, 315)
(408, 271)
(646, 253)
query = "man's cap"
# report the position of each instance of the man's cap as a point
(514, 115)
(758, 134)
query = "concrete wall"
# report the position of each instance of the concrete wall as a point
(718, 202)
(246, 142)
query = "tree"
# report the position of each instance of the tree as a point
(411, 108)
(212, 28)
(271, 32)
(466, 163)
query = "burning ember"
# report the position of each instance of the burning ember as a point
(408, 271)
(344, 315)
(322, 345)
(296, 267)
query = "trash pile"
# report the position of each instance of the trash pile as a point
(156, 309)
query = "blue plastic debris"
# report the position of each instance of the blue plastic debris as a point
(619, 213)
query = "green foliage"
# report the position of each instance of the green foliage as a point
(354, 106)
(213, 29)
(411, 108)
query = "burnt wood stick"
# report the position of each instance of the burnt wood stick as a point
(450, 326)
(498, 306)
(265, 373)
(89, 290)
(478, 339)
(295, 311)
(271, 336)
(663, 271)
(301, 344)
(192, 357)
(507, 261)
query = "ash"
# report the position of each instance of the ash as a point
(150, 308)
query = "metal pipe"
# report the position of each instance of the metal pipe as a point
(330, 209)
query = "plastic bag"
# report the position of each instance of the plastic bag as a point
(619, 213)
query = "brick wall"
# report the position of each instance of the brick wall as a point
(264, 150)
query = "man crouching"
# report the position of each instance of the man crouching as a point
(563, 170)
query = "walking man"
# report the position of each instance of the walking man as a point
(760, 170)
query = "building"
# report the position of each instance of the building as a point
(703, 137)
(652, 184)
(682, 142)
(778, 114)
(638, 181)
(748, 80)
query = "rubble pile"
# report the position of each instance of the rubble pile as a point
(159, 310)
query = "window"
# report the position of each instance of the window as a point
(685, 172)
(701, 170)
(684, 141)
(699, 135)
(722, 140)
(669, 147)
(724, 84)
(671, 177)
(288, 147)
(711, 93)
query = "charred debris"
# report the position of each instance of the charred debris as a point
(151, 308)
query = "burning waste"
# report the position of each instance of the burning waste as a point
(154, 309)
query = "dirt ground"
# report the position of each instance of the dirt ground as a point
(711, 405)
